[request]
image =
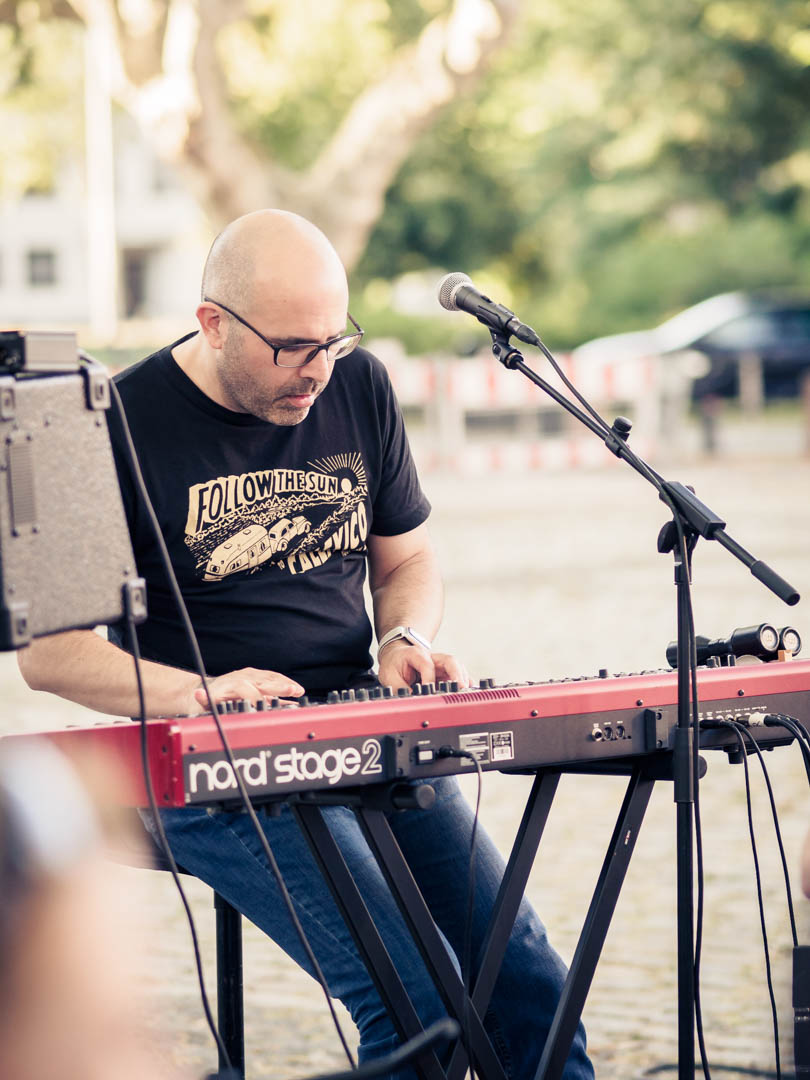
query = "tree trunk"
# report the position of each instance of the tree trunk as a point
(180, 97)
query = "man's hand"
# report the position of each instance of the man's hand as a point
(402, 664)
(250, 684)
(81, 666)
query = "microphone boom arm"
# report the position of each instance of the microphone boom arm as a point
(696, 516)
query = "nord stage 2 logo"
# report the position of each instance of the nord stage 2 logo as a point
(209, 777)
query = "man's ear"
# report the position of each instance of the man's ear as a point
(212, 323)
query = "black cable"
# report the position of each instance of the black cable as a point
(606, 429)
(466, 952)
(466, 958)
(739, 729)
(444, 1029)
(799, 732)
(778, 832)
(740, 1069)
(165, 848)
(570, 386)
(198, 661)
(802, 727)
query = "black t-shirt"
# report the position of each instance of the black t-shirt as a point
(266, 525)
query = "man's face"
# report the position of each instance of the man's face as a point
(252, 383)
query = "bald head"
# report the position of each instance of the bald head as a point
(272, 256)
(271, 279)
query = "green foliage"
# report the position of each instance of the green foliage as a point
(623, 160)
(294, 70)
(419, 335)
(40, 102)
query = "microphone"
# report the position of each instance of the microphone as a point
(457, 293)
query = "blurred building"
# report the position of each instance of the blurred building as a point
(151, 269)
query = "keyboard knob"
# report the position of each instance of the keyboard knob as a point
(333, 697)
(377, 693)
(403, 691)
(361, 694)
(388, 692)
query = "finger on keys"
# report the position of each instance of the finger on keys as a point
(451, 669)
(423, 665)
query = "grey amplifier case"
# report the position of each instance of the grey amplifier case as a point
(66, 559)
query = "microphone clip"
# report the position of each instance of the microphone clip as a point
(507, 354)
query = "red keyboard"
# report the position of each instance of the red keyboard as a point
(292, 748)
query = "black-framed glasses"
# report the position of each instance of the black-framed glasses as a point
(298, 355)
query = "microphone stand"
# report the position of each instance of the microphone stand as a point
(691, 519)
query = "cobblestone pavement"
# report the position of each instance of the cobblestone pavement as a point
(550, 575)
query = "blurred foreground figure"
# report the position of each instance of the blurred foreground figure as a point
(805, 866)
(66, 1002)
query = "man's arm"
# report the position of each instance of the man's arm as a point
(83, 667)
(406, 590)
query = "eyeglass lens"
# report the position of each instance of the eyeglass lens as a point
(298, 355)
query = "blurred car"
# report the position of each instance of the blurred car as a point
(707, 342)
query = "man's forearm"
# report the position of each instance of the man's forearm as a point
(83, 667)
(411, 595)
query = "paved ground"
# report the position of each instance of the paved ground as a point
(553, 574)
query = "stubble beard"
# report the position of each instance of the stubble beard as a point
(246, 396)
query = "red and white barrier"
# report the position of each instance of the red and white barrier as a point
(450, 389)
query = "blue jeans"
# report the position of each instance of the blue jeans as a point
(223, 850)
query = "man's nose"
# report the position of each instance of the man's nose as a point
(319, 368)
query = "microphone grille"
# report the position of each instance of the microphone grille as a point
(448, 287)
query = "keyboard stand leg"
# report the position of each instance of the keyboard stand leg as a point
(597, 923)
(369, 944)
(507, 902)
(426, 936)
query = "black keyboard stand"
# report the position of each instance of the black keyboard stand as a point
(369, 807)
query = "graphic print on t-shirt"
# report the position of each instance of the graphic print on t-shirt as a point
(293, 519)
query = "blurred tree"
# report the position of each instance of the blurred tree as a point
(221, 87)
(619, 160)
(40, 68)
(625, 158)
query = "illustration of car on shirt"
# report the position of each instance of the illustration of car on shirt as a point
(254, 545)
